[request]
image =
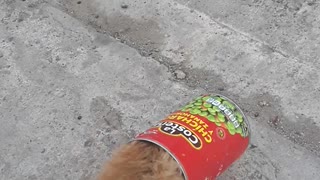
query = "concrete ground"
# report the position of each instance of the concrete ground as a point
(78, 78)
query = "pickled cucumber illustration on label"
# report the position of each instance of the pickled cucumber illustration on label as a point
(220, 133)
(220, 111)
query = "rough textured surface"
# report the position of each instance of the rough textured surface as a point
(78, 78)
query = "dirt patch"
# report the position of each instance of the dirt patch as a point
(302, 130)
(207, 80)
(250, 167)
(103, 112)
(143, 34)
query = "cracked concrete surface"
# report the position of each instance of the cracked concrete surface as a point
(78, 78)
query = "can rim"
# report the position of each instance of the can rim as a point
(185, 176)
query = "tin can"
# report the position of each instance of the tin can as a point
(205, 136)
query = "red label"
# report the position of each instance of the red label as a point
(205, 137)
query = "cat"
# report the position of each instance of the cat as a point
(141, 160)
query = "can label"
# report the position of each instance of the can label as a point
(205, 136)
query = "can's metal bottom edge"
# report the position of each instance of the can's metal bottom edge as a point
(238, 107)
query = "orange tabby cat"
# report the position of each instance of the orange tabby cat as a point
(141, 160)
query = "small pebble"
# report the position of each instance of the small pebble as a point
(79, 117)
(79, 2)
(221, 88)
(88, 143)
(1, 54)
(180, 74)
(252, 146)
(20, 19)
(256, 114)
(275, 121)
(263, 103)
(299, 133)
(58, 58)
(124, 6)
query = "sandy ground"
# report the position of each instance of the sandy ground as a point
(78, 78)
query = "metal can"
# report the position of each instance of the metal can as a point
(205, 136)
